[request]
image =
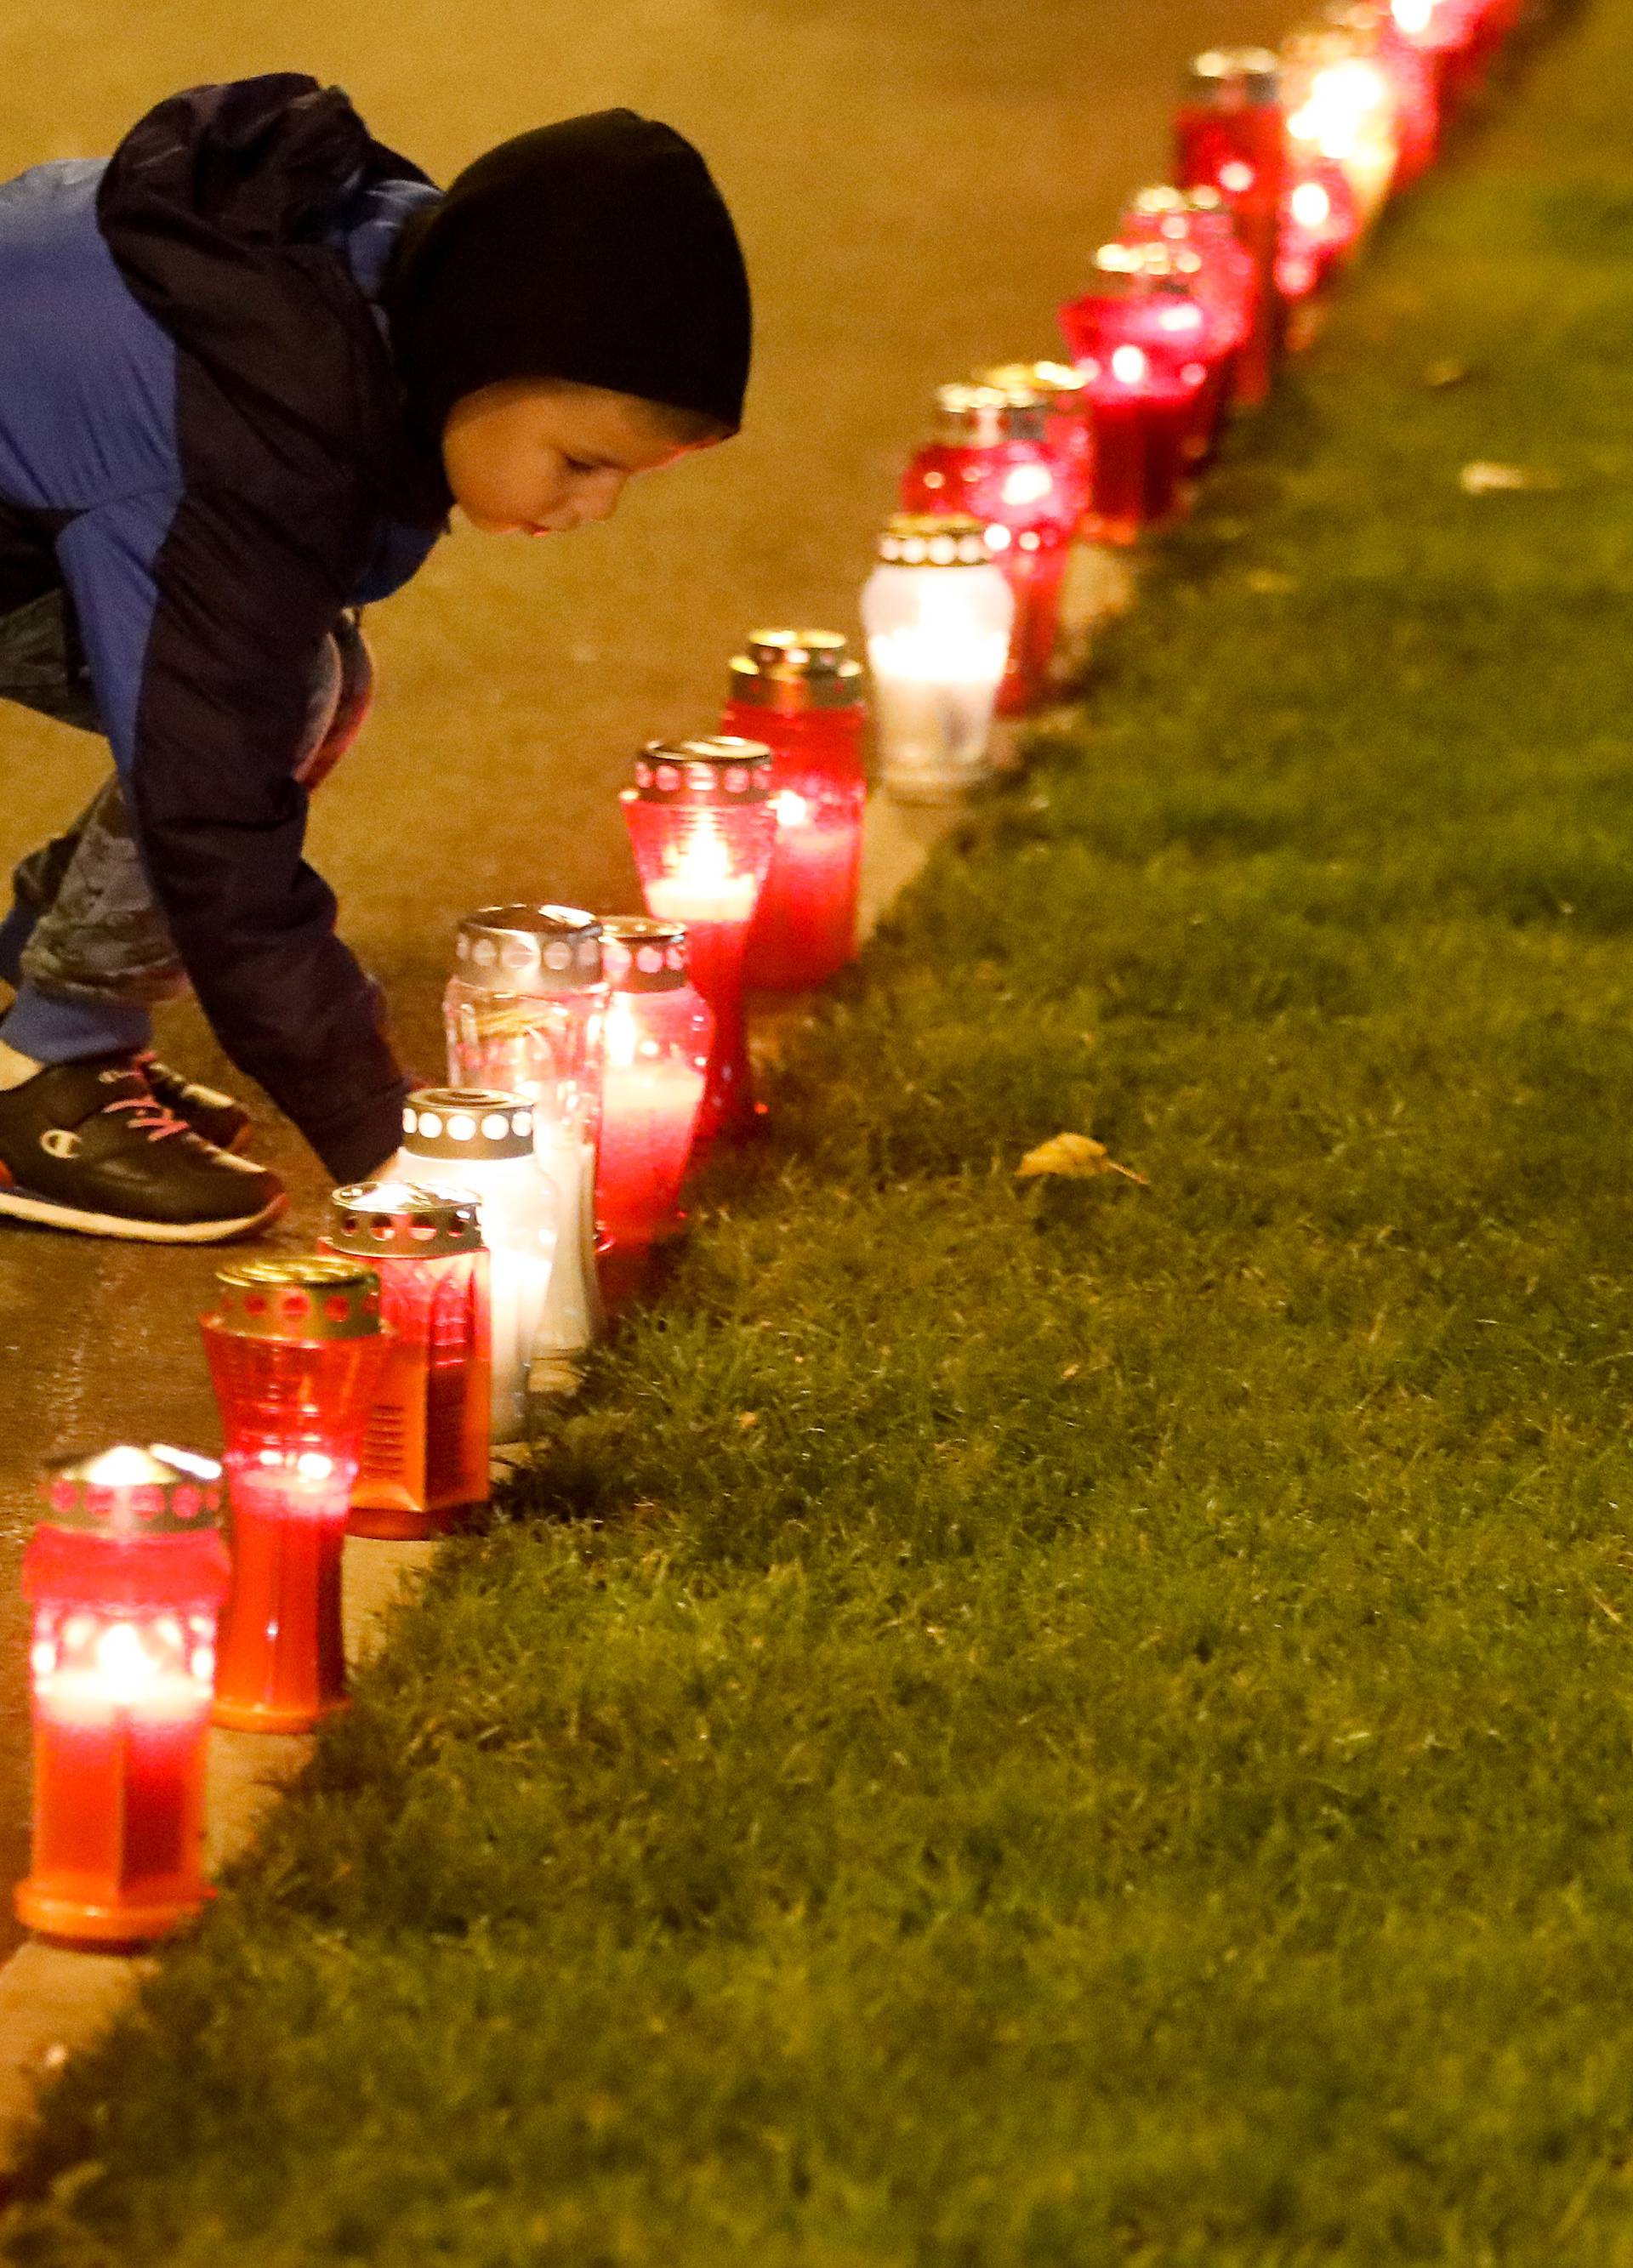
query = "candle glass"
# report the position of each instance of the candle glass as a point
(425, 1451)
(479, 1142)
(522, 1012)
(702, 828)
(1320, 224)
(799, 694)
(938, 614)
(1146, 387)
(991, 459)
(1339, 104)
(656, 1045)
(124, 1576)
(295, 1350)
(1230, 136)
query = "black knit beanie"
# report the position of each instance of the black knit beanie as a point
(597, 250)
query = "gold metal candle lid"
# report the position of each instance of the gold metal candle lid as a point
(982, 416)
(1236, 77)
(720, 770)
(396, 1220)
(306, 1300)
(479, 1123)
(529, 949)
(929, 539)
(1056, 384)
(127, 1492)
(794, 671)
(643, 955)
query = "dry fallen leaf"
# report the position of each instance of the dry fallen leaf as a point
(1481, 479)
(1447, 373)
(748, 1419)
(1076, 1158)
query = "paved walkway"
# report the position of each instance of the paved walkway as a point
(917, 187)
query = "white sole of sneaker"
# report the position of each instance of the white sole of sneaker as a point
(19, 1206)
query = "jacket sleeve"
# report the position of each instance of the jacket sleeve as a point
(202, 626)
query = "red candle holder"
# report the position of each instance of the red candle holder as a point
(1321, 223)
(124, 1577)
(425, 1451)
(295, 1350)
(1139, 350)
(1068, 421)
(1209, 262)
(701, 827)
(655, 1044)
(991, 459)
(1231, 136)
(799, 694)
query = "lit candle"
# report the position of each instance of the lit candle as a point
(991, 458)
(425, 1453)
(522, 1012)
(1231, 136)
(479, 1141)
(1141, 348)
(938, 614)
(124, 1576)
(799, 693)
(702, 828)
(295, 1350)
(655, 1046)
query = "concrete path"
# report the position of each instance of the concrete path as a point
(917, 187)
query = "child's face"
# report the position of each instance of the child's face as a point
(535, 458)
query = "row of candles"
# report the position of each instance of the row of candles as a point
(593, 1060)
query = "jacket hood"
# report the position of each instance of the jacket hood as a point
(221, 208)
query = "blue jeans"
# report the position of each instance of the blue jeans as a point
(85, 944)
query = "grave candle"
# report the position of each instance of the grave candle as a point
(1231, 136)
(991, 458)
(655, 1047)
(425, 1451)
(295, 1350)
(124, 1576)
(701, 827)
(799, 693)
(938, 616)
(479, 1142)
(523, 1012)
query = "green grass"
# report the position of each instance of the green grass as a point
(1071, 1724)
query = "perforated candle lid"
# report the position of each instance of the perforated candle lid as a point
(476, 1123)
(982, 416)
(394, 1220)
(529, 949)
(1056, 384)
(127, 1492)
(1236, 75)
(922, 539)
(644, 955)
(304, 1300)
(796, 670)
(720, 770)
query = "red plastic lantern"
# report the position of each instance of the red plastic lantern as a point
(991, 459)
(295, 1350)
(1321, 223)
(701, 826)
(1144, 346)
(424, 1452)
(799, 694)
(1231, 136)
(1068, 421)
(1210, 263)
(655, 1043)
(124, 1576)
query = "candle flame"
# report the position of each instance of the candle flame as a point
(621, 1032)
(790, 808)
(1236, 177)
(1129, 366)
(1312, 206)
(126, 1664)
(1344, 103)
(1028, 484)
(1414, 16)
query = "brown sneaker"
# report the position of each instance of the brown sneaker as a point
(205, 1108)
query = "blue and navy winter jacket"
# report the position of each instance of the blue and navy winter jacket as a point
(202, 442)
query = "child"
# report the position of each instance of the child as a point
(246, 368)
